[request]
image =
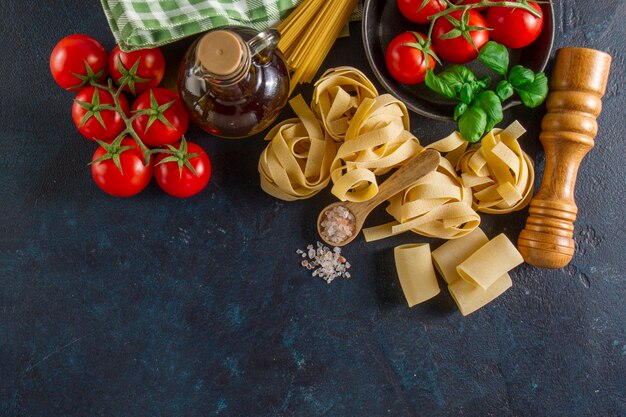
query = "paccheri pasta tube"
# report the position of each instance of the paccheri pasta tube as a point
(376, 141)
(491, 261)
(296, 163)
(337, 96)
(470, 298)
(476, 269)
(450, 255)
(416, 273)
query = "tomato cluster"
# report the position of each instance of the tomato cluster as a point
(123, 164)
(458, 30)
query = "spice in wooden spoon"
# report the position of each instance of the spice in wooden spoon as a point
(339, 223)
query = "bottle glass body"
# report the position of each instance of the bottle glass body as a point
(240, 105)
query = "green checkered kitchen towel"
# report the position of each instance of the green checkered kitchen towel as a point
(138, 24)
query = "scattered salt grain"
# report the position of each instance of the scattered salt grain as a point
(338, 224)
(325, 263)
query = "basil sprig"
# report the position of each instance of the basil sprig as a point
(479, 109)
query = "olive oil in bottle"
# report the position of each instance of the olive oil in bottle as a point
(233, 81)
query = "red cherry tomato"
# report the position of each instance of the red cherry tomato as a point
(134, 176)
(183, 183)
(87, 109)
(458, 50)
(514, 28)
(406, 64)
(76, 59)
(411, 9)
(147, 73)
(153, 128)
(466, 2)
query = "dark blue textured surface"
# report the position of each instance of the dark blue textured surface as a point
(152, 306)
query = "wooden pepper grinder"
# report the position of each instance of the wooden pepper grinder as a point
(577, 85)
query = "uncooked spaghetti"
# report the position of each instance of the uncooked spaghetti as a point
(309, 32)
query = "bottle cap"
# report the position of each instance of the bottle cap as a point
(220, 52)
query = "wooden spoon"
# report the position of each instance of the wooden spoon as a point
(424, 163)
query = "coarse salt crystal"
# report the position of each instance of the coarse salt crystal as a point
(325, 263)
(338, 224)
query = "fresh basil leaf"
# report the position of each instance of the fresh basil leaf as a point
(455, 76)
(462, 72)
(467, 93)
(472, 124)
(534, 94)
(495, 56)
(504, 90)
(481, 83)
(459, 110)
(489, 102)
(520, 76)
(438, 85)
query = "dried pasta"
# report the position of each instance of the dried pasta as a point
(470, 298)
(491, 261)
(296, 163)
(476, 269)
(337, 96)
(436, 205)
(499, 173)
(449, 255)
(376, 141)
(309, 32)
(416, 273)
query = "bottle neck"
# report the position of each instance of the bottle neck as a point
(222, 59)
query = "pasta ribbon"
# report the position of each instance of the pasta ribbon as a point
(437, 205)
(296, 163)
(376, 141)
(337, 96)
(499, 173)
(453, 146)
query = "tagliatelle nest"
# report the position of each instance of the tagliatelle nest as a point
(437, 205)
(499, 173)
(337, 96)
(296, 163)
(377, 141)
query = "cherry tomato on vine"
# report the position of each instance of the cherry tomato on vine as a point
(466, 2)
(94, 116)
(406, 58)
(514, 28)
(76, 60)
(140, 70)
(163, 119)
(118, 168)
(457, 49)
(413, 10)
(185, 172)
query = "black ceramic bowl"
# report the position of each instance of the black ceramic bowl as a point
(382, 21)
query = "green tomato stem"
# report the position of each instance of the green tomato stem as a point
(451, 7)
(128, 121)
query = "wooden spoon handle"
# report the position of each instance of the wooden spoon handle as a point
(577, 85)
(422, 164)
